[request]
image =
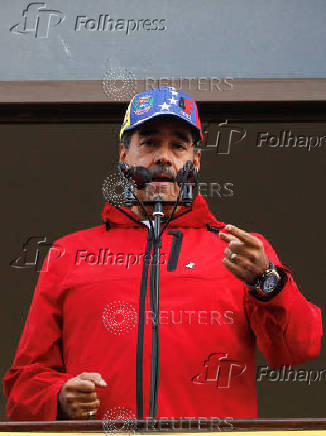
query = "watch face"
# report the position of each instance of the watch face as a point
(270, 283)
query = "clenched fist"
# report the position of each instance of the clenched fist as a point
(78, 396)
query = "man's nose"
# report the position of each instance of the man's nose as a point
(162, 156)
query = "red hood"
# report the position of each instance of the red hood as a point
(199, 216)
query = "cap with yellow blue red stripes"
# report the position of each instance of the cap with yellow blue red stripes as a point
(164, 100)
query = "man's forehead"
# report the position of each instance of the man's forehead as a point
(173, 125)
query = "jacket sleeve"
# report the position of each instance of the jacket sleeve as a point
(38, 372)
(288, 328)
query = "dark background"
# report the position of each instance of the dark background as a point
(52, 176)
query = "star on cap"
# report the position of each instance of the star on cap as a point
(164, 106)
(174, 92)
(172, 100)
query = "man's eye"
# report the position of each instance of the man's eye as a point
(180, 146)
(148, 142)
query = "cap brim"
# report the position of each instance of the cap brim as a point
(161, 115)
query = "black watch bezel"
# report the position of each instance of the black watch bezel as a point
(259, 284)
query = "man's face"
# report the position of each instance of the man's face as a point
(163, 146)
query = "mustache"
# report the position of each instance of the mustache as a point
(157, 170)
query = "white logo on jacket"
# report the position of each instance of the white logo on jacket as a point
(190, 265)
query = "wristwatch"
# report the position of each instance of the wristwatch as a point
(266, 283)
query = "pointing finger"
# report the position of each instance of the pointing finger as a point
(227, 238)
(242, 235)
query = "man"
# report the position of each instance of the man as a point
(87, 344)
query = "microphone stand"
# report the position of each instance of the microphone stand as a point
(155, 229)
(154, 295)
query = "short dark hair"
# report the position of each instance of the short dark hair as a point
(126, 137)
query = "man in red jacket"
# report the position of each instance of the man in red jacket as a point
(86, 349)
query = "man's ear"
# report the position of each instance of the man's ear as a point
(122, 152)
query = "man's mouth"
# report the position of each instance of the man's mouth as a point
(162, 178)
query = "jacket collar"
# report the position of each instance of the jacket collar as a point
(198, 217)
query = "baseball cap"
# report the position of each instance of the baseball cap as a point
(164, 100)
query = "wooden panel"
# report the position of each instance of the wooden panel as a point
(91, 91)
(146, 426)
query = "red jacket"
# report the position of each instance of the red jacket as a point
(85, 311)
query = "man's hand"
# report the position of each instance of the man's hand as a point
(245, 256)
(78, 396)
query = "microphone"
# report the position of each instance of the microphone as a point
(187, 177)
(140, 175)
(187, 174)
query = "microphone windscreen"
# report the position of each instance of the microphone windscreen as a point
(141, 176)
(187, 174)
(124, 168)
